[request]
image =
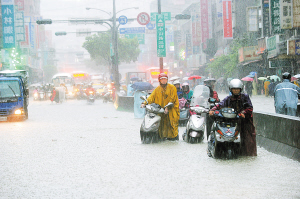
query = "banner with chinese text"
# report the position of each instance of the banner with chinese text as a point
(204, 22)
(8, 26)
(296, 13)
(227, 19)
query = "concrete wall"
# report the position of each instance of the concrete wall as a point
(278, 133)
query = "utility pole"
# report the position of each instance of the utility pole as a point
(161, 59)
(115, 45)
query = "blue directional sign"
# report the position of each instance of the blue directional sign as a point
(123, 20)
(150, 26)
(137, 30)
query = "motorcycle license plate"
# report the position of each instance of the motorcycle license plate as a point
(3, 119)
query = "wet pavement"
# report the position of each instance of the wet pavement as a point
(76, 150)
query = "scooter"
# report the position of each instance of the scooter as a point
(184, 113)
(195, 127)
(91, 97)
(108, 96)
(225, 140)
(150, 125)
(41, 95)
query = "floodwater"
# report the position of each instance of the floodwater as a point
(76, 150)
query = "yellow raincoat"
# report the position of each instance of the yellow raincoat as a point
(169, 123)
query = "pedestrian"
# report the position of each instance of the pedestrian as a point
(286, 96)
(266, 86)
(242, 104)
(162, 95)
(271, 88)
(249, 88)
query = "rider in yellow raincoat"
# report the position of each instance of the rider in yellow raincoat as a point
(162, 95)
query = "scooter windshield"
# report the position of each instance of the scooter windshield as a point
(200, 96)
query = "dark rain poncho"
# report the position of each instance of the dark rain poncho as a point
(243, 104)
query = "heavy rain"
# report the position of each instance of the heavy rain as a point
(73, 74)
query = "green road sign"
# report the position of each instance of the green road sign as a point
(167, 16)
(140, 37)
(161, 39)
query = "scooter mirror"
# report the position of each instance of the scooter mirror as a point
(169, 105)
(211, 100)
(144, 98)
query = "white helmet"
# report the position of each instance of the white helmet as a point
(176, 82)
(236, 83)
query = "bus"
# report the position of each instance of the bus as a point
(67, 80)
(153, 75)
(81, 77)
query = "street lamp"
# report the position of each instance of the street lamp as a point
(115, 41)
(100, 10)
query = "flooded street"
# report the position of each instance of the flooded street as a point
(76, 150)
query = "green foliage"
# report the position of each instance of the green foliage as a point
(99, 48)
(226, 65)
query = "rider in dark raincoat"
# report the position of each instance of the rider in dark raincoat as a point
(243, 105)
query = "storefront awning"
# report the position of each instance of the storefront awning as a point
(250, 62)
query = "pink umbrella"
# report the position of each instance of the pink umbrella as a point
(194, 77)
(247, 79)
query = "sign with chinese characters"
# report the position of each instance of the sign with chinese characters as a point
(252, 19)
(140, 37)
(249, 53)
(8, 26)
(19, 26)
(271, 46)
(266, 18)
(293, 47)
(160, 31)
(188, 46)
(136, 30)
(196, 32)
(204, 22)
(286, 14)
(227, 19)
(19, 4)
(167, 15)
(296, 13)
(275, 16)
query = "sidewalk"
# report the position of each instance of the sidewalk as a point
(259, 102)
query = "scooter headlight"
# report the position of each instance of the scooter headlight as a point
(35, 95)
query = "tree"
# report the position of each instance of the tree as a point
(98, 46)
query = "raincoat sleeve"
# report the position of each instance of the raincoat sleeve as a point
(248, 107)
(151, 98)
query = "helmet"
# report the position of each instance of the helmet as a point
(176, 82)
(286, 75)
(209, 81)
(162, 75)
(235, 83)
(185, 87)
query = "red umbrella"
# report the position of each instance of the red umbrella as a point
(247, 79)
(194, 77)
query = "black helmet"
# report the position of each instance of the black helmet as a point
(286, 75)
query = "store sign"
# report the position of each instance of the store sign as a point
(204, 22)
(8, 26)
(252, 19)
(249, 54)
(189, 47)
(296, 13)
(196, 32)
(227, 19)
(262, 46)
(271, 46)
(266, 19)
(19, 26)
(19, 4)
(293, 47)
(275, 16)
(286, 14)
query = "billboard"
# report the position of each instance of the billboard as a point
(286, 14)
(296, 13)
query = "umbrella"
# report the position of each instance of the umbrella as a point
(297, 76)
(142, 86)
(185, 78)
(247, 79)
(275, 77)
(253, 73)
(293, 79)
(194, 77)
(262, 78)
(250, 76)
(174, 78)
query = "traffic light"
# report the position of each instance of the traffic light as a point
(182, 16)
(44, 21)
(282, 47)
(60, 33)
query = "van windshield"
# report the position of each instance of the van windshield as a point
(62, 80)
(9, 88)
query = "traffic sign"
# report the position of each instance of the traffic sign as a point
(136, 30)
(123, 20)
(161, 40)
(167, 16)
(150, 26)
(143, 18)
(140, 37)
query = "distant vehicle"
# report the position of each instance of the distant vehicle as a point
(81, 77)
(14, 95)
(67, 80)
(154, 72)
